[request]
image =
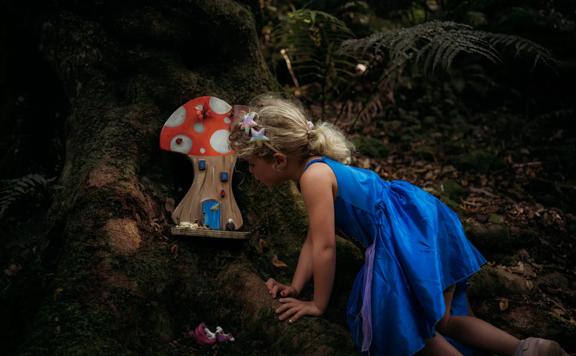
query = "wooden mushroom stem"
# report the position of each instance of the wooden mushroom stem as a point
(208, 186)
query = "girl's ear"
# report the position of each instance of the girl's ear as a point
(280, 161)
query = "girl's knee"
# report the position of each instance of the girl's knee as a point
(443, 325)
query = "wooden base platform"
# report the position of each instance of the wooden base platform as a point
(221, 234)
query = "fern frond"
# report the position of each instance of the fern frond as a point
(521, 47)
(310, 40)
(18, 189)
(557, 115)
(430, 45)
(433, 44)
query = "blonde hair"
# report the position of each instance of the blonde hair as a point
(288, 131)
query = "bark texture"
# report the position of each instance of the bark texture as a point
(121, 284)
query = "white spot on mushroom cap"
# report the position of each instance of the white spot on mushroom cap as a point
(227, 120)
(202, 150)
(219, 141)
(183, 145)
(199, 127)
(177, 118)
(219, 106)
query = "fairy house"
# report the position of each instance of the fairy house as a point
(200, 129)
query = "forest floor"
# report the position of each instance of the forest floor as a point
(510, 179)
(507, 176)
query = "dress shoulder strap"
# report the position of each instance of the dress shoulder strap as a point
(321, 159)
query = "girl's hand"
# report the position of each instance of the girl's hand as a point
(276, 289)
(293, 309)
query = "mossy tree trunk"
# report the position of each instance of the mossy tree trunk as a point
(121, 284)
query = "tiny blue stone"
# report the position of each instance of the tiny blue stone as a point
(224, 176)
(201, 164)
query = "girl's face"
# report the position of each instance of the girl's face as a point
(265, 172)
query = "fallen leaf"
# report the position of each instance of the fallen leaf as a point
(278, 263)
(174, 250)
(558, 311)
(261, 245)
(503, 304)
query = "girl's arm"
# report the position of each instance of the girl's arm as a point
(316, 185)
(303, 271)
(317, 190)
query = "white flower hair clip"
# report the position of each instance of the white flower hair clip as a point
(248, 122)
(310, 125)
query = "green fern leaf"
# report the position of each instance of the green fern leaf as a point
(310, 40)
(18, 189)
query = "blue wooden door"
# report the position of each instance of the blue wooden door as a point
(211, 214)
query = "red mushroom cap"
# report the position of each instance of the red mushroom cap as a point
(200, 127)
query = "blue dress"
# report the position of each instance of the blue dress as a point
(415, 249)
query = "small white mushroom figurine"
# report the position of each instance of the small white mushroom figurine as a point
(200, 129)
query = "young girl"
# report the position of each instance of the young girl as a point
(410, 294)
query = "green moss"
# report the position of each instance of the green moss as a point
(453, 190)
(425, 153)
(68, 328)
(370, 147)
(276, 217)
(115, 121)
(498, 239)
(479, 160)
(486, 285)
(496, 219)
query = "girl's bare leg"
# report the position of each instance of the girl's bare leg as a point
(475, 332)
(438, 346)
